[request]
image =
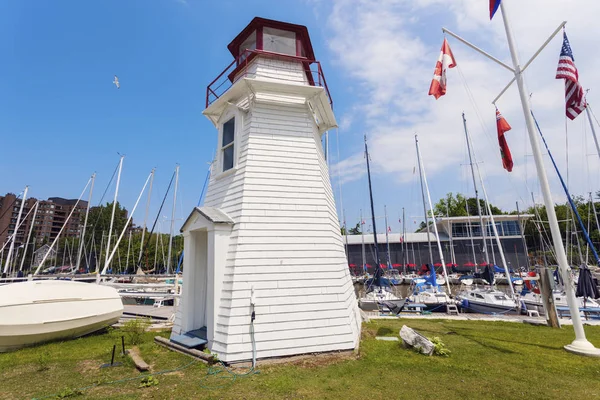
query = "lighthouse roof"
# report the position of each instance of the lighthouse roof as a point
(211, 214)
(257, 23)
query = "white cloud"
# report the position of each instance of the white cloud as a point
(387, 50)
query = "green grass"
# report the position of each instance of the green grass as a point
(487, 360)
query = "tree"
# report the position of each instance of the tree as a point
(457, 206)
(356, 230)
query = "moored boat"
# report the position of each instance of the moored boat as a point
(487, 301)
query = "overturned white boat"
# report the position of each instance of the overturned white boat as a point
(41, 311)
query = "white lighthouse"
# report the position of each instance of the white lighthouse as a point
(267, 241)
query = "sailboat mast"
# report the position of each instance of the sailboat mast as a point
(377, 275)
(87, 212)
(437, 236)
(595, 213)
(362, 233)
(170, 249)
(346, 233)
(128, 251)
(452, 255)
(580, 344)
(37, 203)
(404, 258)
(522, 230)
(146, 216)
(588, 112)
(14, 235)
(482, 225)
(387, 239)
(495, 231)
(470, 229)
(112, 217)
(424, 204)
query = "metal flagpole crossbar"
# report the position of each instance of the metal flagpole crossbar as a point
(580, 345)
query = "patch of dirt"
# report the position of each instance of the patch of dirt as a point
(322, 360)
(87, 366)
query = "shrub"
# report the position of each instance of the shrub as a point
(43, 359)
(148, 381)
(439, 347)
(134, 329)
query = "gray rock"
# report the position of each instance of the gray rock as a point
(412, 338)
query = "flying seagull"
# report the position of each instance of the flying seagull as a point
(116, 82)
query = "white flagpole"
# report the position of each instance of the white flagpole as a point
(580, 345)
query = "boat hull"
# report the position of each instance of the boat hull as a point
(486, 308)
(42, 311)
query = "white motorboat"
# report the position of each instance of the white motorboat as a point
(533, 301)
(40, 311)
(487, 301)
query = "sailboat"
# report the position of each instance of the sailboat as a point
(427, 290)
(487, 299)
(378, 295)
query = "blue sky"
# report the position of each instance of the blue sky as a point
(62, 119)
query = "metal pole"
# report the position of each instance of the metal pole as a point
(387, 239)
(87, 212)
(128, 251)
(14, 236)
(477, 49)
(437, 236)
(377, 275)
(424, 203)
(172, 220)
(37, 203)
(495, 230)
(404, 258)
(531, 59)
(522, 230)
(580, 345)
(471, 234)
(482, 225)
(146, 216)
(362, 232)
(112, 217)
(587, 111)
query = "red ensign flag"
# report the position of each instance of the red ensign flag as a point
(446, 60)
(503, 127)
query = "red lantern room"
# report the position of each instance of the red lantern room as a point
(272, 36)
(273, 51)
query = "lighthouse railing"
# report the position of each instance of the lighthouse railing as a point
(309, 73)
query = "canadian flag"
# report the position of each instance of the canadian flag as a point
(445, 61)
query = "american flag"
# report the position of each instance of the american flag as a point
(574, 98)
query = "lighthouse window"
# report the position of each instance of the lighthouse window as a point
(227, 148)
(279, 41)
(248, 44)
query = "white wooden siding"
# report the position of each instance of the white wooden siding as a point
(286, 241)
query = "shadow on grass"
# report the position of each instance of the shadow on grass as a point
(383, 331)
